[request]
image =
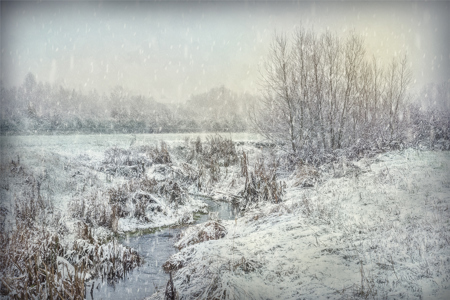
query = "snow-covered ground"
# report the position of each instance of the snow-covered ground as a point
(67, 168)
(378, 228)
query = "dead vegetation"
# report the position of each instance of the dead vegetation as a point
(305, 176)
(211, 230)
(30, 266)
(109, 261)
(138, 198)
(158, 155)
(133, 162)
(215, 277)
(35, 263)
(206, 161)
(260, 184)
(215, 150)
(124, 162)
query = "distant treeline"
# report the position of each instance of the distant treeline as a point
(41, 108)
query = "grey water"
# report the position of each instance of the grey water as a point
(155, 248)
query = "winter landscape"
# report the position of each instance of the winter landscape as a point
(319, 170)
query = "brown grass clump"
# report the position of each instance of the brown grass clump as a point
(261, 184)
(211, 230)
(30, 267)
(204, 160)
(159, 155)
(94, 210)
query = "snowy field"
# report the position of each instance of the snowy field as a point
(377, 228)
(66, 161)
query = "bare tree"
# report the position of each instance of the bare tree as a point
(322, 93)
(276, 117)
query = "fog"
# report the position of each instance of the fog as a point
(171, 51)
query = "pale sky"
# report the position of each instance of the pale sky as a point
(172, 50)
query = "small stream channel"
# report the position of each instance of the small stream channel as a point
(155, 248)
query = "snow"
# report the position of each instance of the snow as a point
(376, 228)
(381, 231)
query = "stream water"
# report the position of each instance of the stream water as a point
(155, 248)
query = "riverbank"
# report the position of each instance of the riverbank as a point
(377, 230)
(73, 196)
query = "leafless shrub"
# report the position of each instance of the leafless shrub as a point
(322, 93)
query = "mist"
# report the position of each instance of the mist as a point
(170, 51)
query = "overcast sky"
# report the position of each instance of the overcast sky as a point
(170, 51)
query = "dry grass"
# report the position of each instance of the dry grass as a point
(30, 268)
(135, 198)
(158, 155)
(260, 184)
(124, 162)
(211, 230)
(305, 176)
(205, 161)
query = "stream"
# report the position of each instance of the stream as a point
(155, 248)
